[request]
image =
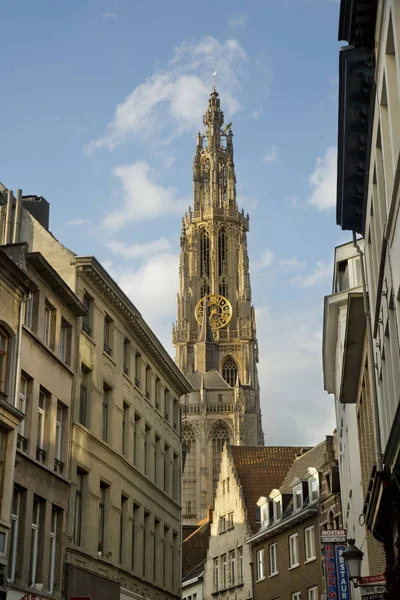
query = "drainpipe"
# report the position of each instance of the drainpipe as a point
(17, 217)
(19, 337)
(7, 232)
(371, 361)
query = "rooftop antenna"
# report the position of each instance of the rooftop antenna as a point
(214, 74)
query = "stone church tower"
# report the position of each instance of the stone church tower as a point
(215, 341)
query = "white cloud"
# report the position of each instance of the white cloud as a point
(271, 156)
(292, 263)
(142, 197)
(77, 222)
(323, 181)
(256, 114)
(322, 272)
(266, 259)
(238, 21)
(169, 161)
(171, 100)
(109, 15)
(290, 372)
(139, 250)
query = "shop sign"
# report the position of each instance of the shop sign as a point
(371, 579)
(343, 576)
(330, 572)
(333, 536)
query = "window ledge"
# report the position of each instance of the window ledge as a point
(309, 560)
(89, 337)
(110, 358)
(261, 579)
(127, 377)
(294, 567)
(273, 574)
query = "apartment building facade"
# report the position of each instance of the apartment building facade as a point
(367, 203)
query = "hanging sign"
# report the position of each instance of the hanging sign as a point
(334, 536)
(330, 572)
(342, 574)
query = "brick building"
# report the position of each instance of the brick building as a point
(246, 474)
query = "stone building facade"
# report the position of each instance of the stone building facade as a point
(224, 406)
(122, 478)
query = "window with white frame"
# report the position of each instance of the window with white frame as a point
(240, 565)
(312, 593)
(296, 596)
(298, 496)
(232, 561)
(294, 550)
(313, 488)
(273, 562)
(23, 397)
(12, 562)
(59, 430)
(260, 564)
(224, 562)
(216, 574)
(34, 541)
(277, 504)
(264, 510)
(309, 536)
(53, 546)
(222, 524)
(40, 452)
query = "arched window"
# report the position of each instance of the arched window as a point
(229, 371)
(223, 288)
(222, 251)
(205, 289)
(189, 473)
(4, 356)
(222, 182)
(206, 182)
(220, 437)
(204, 254)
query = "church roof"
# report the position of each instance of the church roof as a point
(260, 470)
(212, 380)
(314, 457)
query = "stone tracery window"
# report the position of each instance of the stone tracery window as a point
(205, 289)
(222, 251)
(189, 472)
(222, 182)
(206, 183)
(223, 288)
(230, 371)
(204, 253)
(220, 437)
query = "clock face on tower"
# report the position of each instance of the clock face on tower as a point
(219, 311)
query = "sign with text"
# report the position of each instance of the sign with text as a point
(330, 572)
(373, 596)
(334, 536)
(371, 579)
(342, 574)
(337, 578)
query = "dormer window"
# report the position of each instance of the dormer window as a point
(313, 488)
(264, 508)
(298, 497)
(277, 504)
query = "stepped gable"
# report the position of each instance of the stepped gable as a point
(260, 470)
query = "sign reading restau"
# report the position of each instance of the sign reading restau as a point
(342, 574)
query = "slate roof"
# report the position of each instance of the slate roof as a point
(313, 458)
(212, 380)
(195, 547)
(261, 469)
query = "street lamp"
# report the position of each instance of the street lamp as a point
(353, 557)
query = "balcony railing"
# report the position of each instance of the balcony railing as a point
(137, 382)
(22, 442)
(41, 455)
(58, 466)
(107, 349)
(126, 370)
(147, 394)
(86, 328)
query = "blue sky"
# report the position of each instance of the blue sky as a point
(100, 107)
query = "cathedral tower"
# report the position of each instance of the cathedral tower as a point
(215, 332)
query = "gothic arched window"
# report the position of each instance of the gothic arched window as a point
(222, 182)
(220, 437)
(189, 472)
(222, 251)
(204, 253)
(205, 289)
(230, 371)
(206, 182)
(223, 288)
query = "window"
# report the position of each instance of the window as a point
(260, 564)
(34, 541)
(28, 313)
(136, 438)
(105, 412)
(148, 378)
(298, 496)
(84, 396)
(102, 517)
(4, 343)
(135, 525)
(222, 524)
(313, 488)
(146, 534)
(147, 447)
(166, 467)
(158, 393)
(204, 254)
(230, 520)
(108, 335)
(125, 428)
(273, 563)
(312, 593)
(222, 252)
(277, 504)
(58, 464)
(126, 356)
(216, 574)
(222, 182)
(232, 561)
(80, 475)
(175, 477)
(309, 537)
(49, 325)
(294, 550)
(175, 414)
(87, 318)
(240, 564)
(265, 514)
(23, 398)
(166, 405)
(122, 520)
(53, 546)
(65, 342)
(12, 563)
(224, 571)
(138, 365)
(229, 372)
(40, 452)
(296, 596)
